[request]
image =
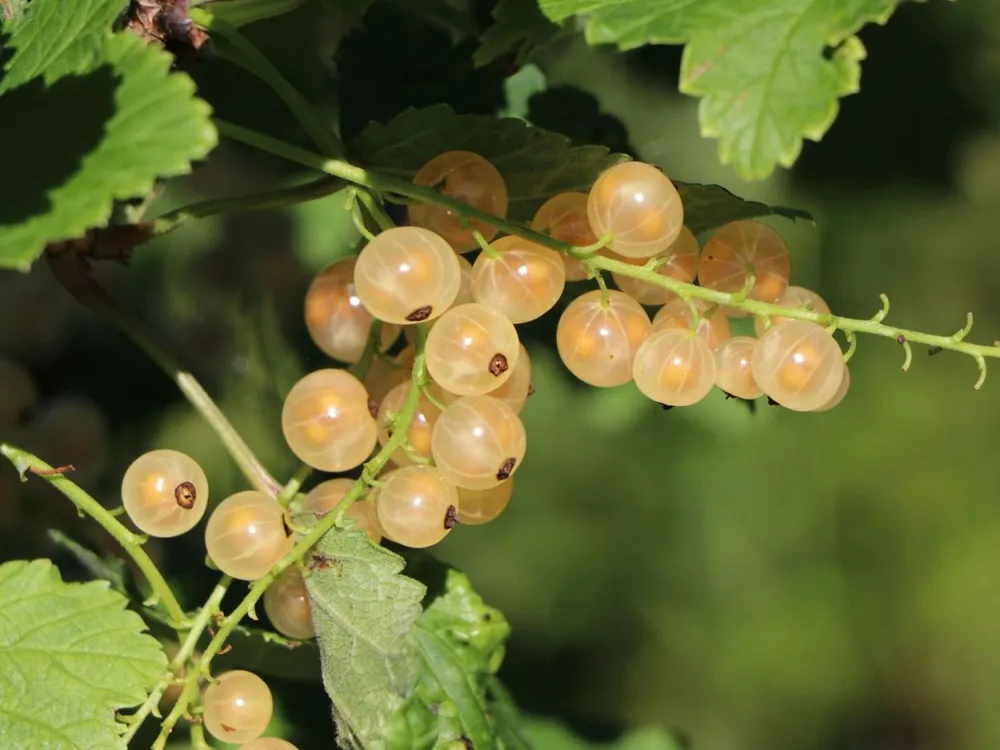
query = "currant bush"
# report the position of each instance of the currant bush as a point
(471, 239)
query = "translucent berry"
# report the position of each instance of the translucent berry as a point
(598, 338)
(794, 296)
(407, 275)
(638, 206)
(680, 261)
(515, 391)
(246, 535)
(472, 349)
(269, 743)
(845, 386)
(286, 602)
(237, 707)
(323, 498)
(674, 367)
(337, 321)
(740, 245)
(564, 217)
(482, 506)
(417, 506)
(466, 177)
(17, 392)
(798, 364)
(387, 372)
(522, 280)
(478, 442)
(733, 367)
(713, 325)
(464, 295)
(165, 493)
(419, 435)
(327, 422)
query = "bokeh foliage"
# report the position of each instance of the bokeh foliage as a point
(775, 580)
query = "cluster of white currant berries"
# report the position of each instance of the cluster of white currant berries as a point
(466, 439)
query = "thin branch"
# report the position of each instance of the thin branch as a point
(281, 198)
(247, 56)
(73, 273)
(182, 657)
(287, 493)
(336, 517)
(129, 541)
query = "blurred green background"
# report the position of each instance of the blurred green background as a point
(767, 581)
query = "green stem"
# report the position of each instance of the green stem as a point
(287, 493)
(372, 347)
(375, 210)
(857, 325)
(368, 474)
(251, 59)
(271, 199)
(73, 273)
(251, 467)
(382, 183)
(182, 657)
(198, 741)
(130, 542)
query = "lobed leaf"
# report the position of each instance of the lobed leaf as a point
(364, 612)
(55, 38)
(461, 644)
(70, 656)
(107, 134)
(536, 164)
(519, 25)
(770, 72)
(710, 206)
(110, 569)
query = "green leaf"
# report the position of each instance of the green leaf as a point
(11, 10)
(106, 135)
(364, 612)
(110, 569)
(759, 65)
(241, 12)
(461, 643)
(510, 725)
(70, 656)
(552, 735)
(710, 206)
(535, 164)
(519, 24)
(55, 38)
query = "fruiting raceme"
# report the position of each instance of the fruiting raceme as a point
(463, 438)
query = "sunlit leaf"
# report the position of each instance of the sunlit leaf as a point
(769, 72)
(70, 656)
